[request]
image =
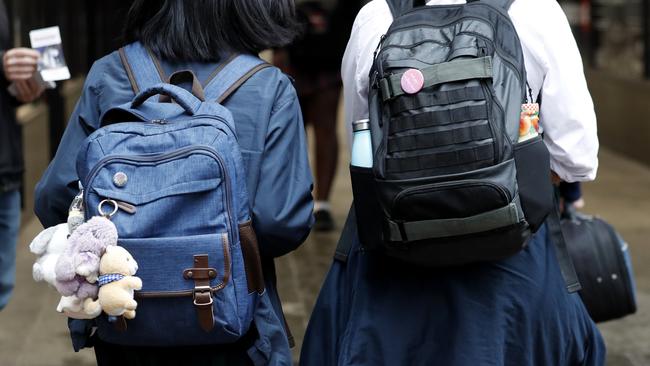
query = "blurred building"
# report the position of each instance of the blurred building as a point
(614, 38)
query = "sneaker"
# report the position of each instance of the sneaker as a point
(324, 221)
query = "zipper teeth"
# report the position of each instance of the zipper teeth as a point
(442, 185)
(164, 158)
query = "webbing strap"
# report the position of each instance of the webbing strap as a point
(438, 118)
(233, 88)
(141, 67)
(406, 103)
(444, 228)
(503, 4)
(440, 159)
(446, 72)
(399, 7)
(230, 77)
(439, 138)
(561, 252)
(347, 236)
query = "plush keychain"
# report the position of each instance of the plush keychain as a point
(77, 268)
(48, 246)
(116, 285)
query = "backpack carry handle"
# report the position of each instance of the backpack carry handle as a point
(182, 97)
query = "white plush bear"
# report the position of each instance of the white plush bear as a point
(48, 246)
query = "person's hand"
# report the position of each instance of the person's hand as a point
(20, 63)
(28, 90)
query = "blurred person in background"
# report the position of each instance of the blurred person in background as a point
(314, 61)
(19, 67)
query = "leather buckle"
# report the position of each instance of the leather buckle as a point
(201, 290)
(201, 274)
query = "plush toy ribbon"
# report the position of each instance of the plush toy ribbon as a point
(105, 279)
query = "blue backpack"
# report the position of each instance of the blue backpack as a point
(171, 178)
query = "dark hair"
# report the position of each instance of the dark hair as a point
(203, 30)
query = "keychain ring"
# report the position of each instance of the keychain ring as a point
(100, 208)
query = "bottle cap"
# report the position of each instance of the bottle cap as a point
(361, 125)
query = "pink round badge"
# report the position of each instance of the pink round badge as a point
(412, 81)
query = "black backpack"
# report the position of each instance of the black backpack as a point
(450, 183)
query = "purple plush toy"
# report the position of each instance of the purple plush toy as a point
(77, 268)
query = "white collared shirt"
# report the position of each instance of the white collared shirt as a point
(553, 65)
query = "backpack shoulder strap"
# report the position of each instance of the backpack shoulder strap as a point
(399, 7)
(234, 73)
(142, 67)
(503, 4)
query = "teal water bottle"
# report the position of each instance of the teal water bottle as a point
(361, 144)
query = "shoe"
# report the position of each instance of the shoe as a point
(324, 221)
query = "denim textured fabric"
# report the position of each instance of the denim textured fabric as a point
(182, 177)
(9, 226)
(275, 169)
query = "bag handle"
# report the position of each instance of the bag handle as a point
(182, 97)
(184, 77)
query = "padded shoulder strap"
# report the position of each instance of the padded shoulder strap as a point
(235, 72)
(141, 66)
(399, 7)
(503, 4)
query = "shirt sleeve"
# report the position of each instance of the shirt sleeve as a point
(567, 110)
(371, 23)
(58, 185)
(282, 211)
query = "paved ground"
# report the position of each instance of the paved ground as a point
(32, 334)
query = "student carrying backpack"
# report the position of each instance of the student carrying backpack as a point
(448, 257)
(167, 142)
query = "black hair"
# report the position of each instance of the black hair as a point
(204, 30)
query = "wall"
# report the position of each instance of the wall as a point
(623, 110)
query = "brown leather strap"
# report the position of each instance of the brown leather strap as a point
(181, 77)
(201, 273)
(241, 81)
(252, 261)
(156, 62)
(120, 324)
(129, 71)
(219, 68)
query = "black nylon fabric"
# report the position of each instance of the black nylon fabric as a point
(438, 118)
(405, 103)
(439, 138)
(457, 133)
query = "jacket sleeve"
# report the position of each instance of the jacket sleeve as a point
(282, 211)
(58, 185)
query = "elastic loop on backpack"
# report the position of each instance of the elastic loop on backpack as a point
(446, 72)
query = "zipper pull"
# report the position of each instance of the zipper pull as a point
(159, 121)
(126, 207)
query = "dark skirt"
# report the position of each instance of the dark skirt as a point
(108, 354)
(373, 311)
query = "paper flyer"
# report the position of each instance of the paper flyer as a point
(47, 41)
